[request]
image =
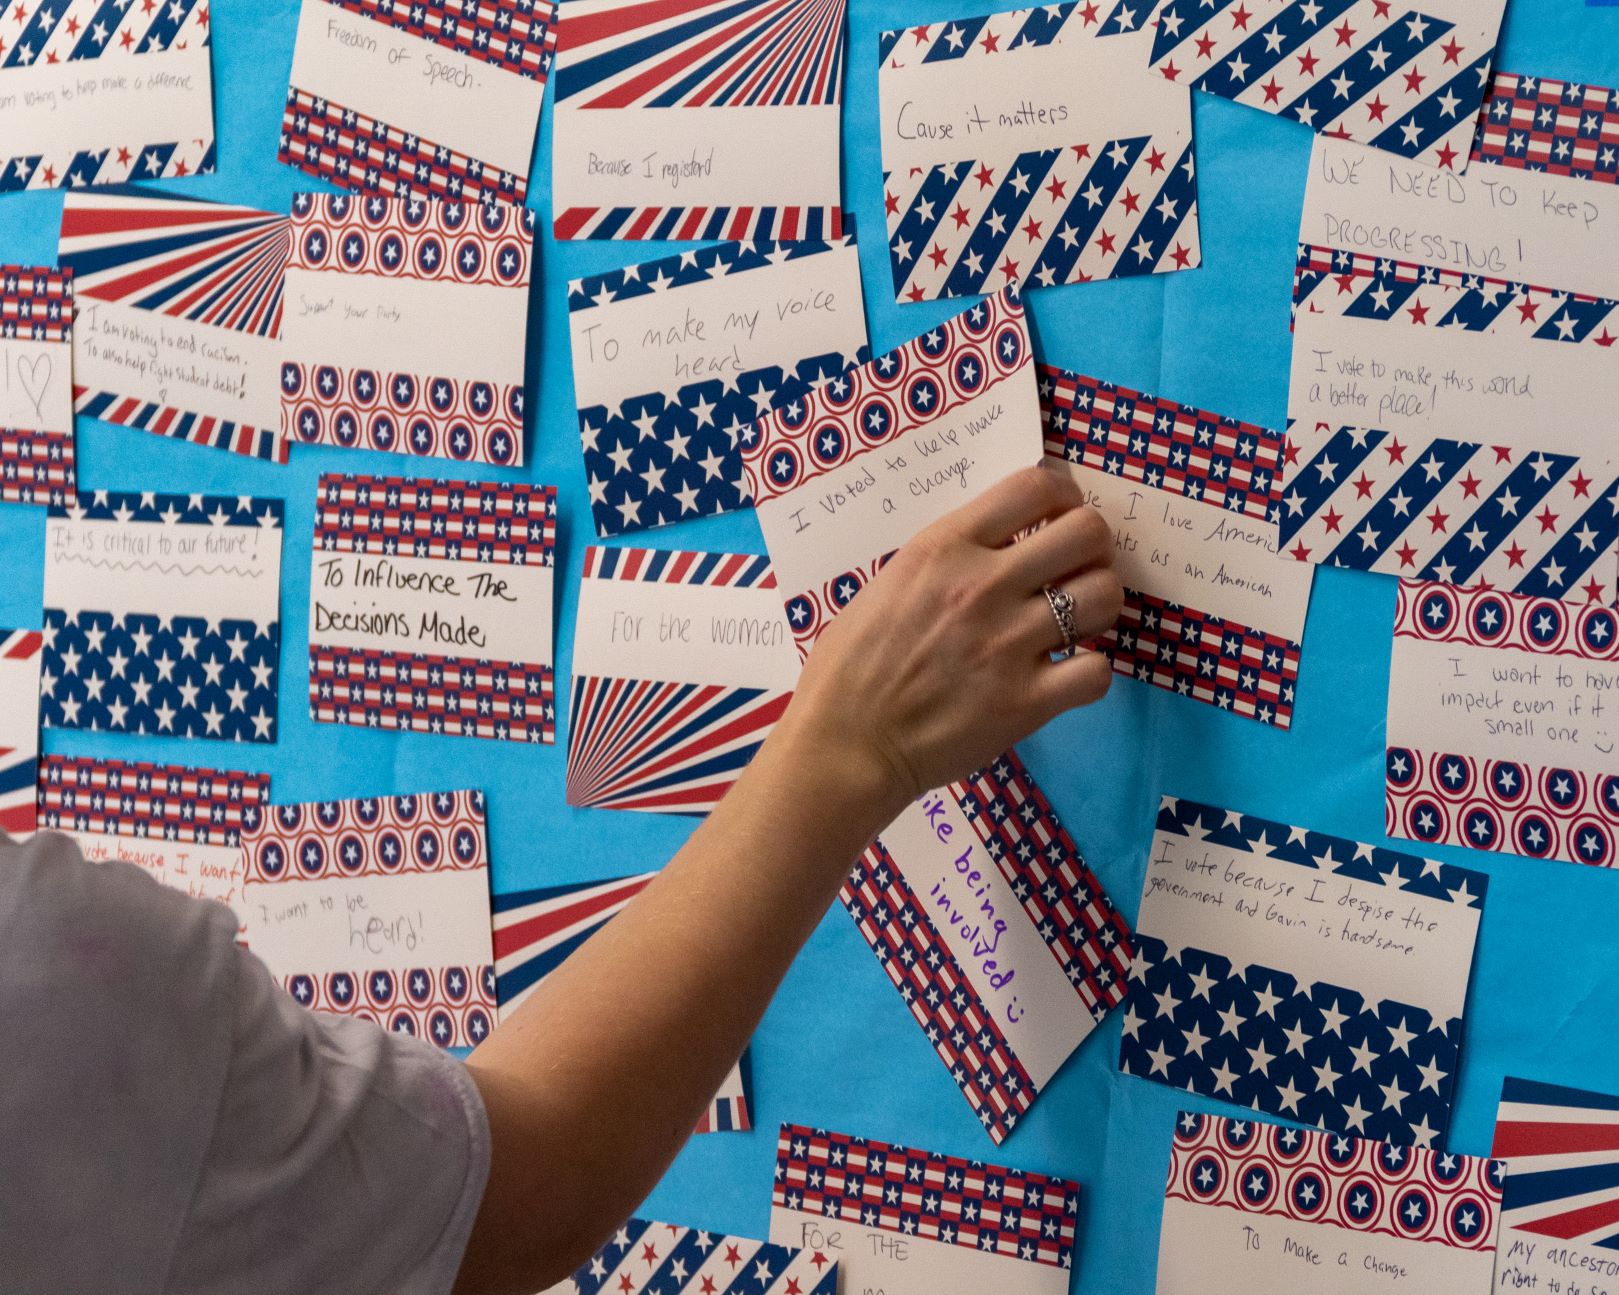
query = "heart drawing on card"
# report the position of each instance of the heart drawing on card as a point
(35, 376)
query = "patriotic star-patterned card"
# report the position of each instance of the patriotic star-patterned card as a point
(1031, 146)
(1406, 80)
(95, 93)
(430, 607)
(1212, 610)
(163, 615)
(674, 360)
(912, 1222)
(1454, 373)
(536, 930)
(36, 385)
(1555, 127)
(682, 664)
(430, 99)
(178, 316)
(1560, 1202)
(1500, 728)
(20, 652)
(995, 932)
(646, 1258)
(1258, 1209)
(846, 475)
(1303, 975)
(182, 825)
(406, 326)
(377, 908)
(699, 120)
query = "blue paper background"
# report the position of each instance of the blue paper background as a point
(838, 1047)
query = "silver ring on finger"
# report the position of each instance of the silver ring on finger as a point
(1062, 611)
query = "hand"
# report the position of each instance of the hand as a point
(944, 660)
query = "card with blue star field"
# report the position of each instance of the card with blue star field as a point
(97, 93)
(377, 908)
(36, 385)
(699, 119)
(1032, 147)
(408, 326)
(1536, 123)
(675, 360)
(1262, 1209)
(1408, 81)
(1300, 974)
(536, 930)
(996, 933)
(1497, 738)
(904, 1219)
(646, 1258)
(20, 652)
(163, 615)
(1212, 611)
(1453, 374)
(1560, 1202)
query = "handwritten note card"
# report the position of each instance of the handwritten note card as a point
(1502, 724)
(1301, 974)
(682, 664)
(430, 607)
(1560, 1202)
(377, 908)
(406, 327)
(19, 728)
(1453, 374)
(910, 1222)
(1212, 610)
(93, 93)
(1258, 1209)
(434, 99)
(702, 122)
(1031, 146)
(847, 475)
(1408, 81)
(662, 1259)
(163, 615)
(184, 826)
(537, 930)
(996, 933)
(36, 385)
(179, 308)
(675, 359)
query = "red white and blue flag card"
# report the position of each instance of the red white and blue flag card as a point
(699, 119)
(995, 932)
(163, 615)
(1405, 80)
(674, 361)
(1496, 733)
(178, 315)
(20, 652)
(902, 1219)
(1560, 1201)
(182, 825)
(1212, 610)
(1254, 1208)
(1534, 123)
(1307, 976)
(645, 1258)
(682, 664)
(846, 475)
(535, 931)
(1031, 146)
(1454, 368)
(431, 99)
(406, 326)
(36, 385)
(97, 93)
(377, 908)
(430, 607)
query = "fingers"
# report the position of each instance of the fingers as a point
(1098, 600)
(1024, 499)
(1078, 539)
(1072, 682)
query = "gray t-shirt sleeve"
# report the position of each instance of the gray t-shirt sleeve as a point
(170, 1120)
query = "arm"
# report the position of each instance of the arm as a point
(938, 666)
